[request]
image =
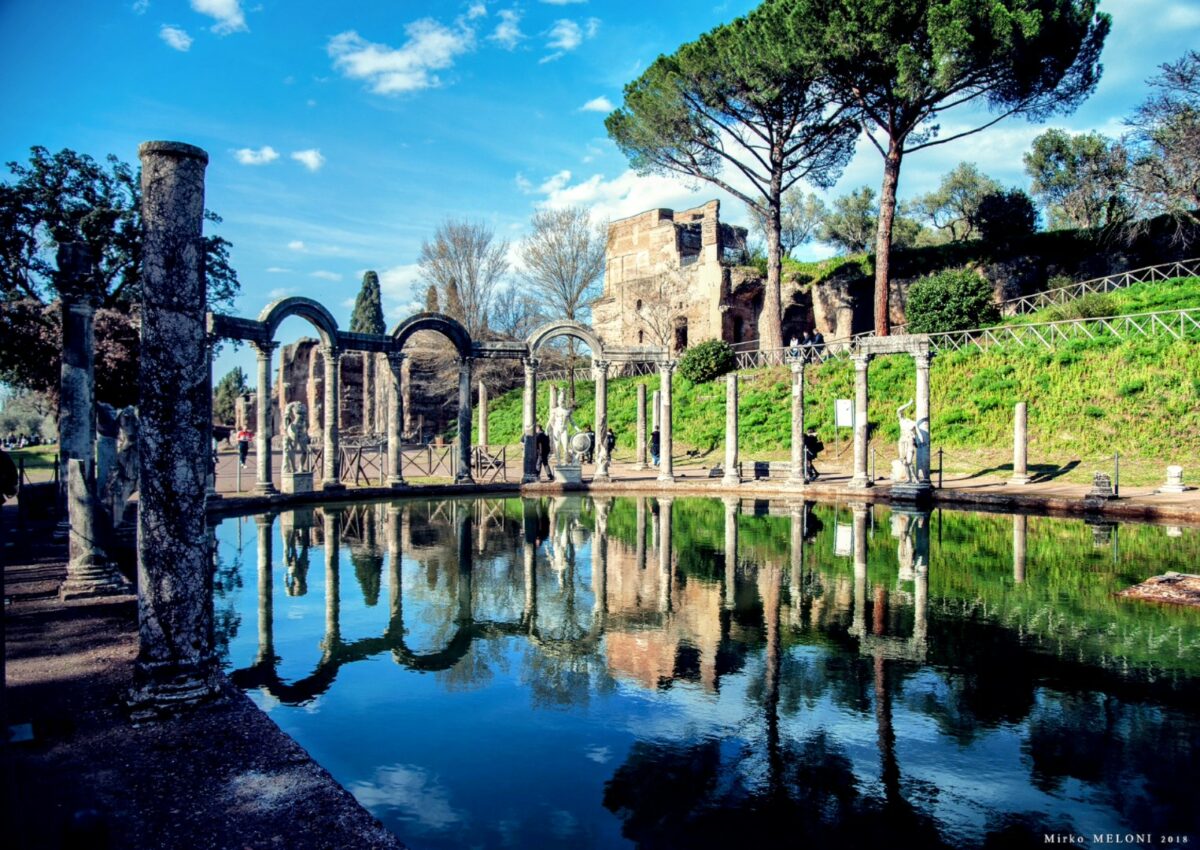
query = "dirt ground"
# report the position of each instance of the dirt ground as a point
(220, 776)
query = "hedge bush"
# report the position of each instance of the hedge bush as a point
(707, 361)
(953, 300)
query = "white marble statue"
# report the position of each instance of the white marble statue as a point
(909, 438)
(561, 421)
(295, 438)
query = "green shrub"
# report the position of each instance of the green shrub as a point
(1005, 217)
(707, 361)
(1093, 411)
(1129, 388)
(1090, 306)
(952, 300)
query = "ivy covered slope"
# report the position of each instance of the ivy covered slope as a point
(1087, 399)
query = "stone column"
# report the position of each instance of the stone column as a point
(922, 415)
(861, 476)
(331, 460)
(395, 524)
(266, 604)
(395, 418)
(858, 625)
(262, 435)
(639, 544)
(107, 430)
(483, 415)
(732, 504)
(656, 410)
(796, 573)
(76, 406)
(1020, 529)
(732, 475)
(89, 571)
(600, 370)
(529, 563)
(333, 592)
(796, 476)
(463, 476)
(529, 400)
(666, 467)
(640, 457)
(1020, 445)
(176, 664)
(666, 571)
(600, 564)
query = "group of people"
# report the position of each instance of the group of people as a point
(810, 345)
(588, 455)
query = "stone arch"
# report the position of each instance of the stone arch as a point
(581, 332)
(440, 322)
(306, 308)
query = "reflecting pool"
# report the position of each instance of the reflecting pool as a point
(578, 672)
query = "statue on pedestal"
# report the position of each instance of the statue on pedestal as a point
(560, 423)
(910, 436)
(295, 438)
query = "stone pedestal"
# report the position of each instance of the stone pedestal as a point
(911, 491)
(297, 482)
(1174, 481)
(1101, 492)
(568, 473)
(89, 572)
(1020, 445)
(529, 470)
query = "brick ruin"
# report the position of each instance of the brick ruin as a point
(676, 278)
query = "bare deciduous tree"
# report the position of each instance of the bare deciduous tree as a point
(464, 260)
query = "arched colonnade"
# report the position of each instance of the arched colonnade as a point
(260, 334)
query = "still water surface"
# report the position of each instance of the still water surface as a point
(578, 673)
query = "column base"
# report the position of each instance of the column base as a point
(265, 490)
(666, 478)
(529, 478)
(731, 480)
(91, 578)
(396, 482)
(464, 478)
(1020, 479)
(914, 491)
(860, 482)
(332, 485)
(161, 689)
(601, 478)
(639, 466)
(795, 482)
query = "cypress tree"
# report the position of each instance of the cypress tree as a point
(431, 300)
(368, 307)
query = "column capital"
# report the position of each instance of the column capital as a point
(530, 362)
(396, 358)
(667, 366)
(601, 365)
(922, 358)
(797, 365)
(861, 359)
(465, 362)
(264, 349)
(264, 520)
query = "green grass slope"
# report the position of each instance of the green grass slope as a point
(1087, 399)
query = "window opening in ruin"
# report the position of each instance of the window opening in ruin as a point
(639, 305)
(641, 337)
(680, 333)
(738, 328)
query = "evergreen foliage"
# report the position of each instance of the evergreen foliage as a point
(225, 396)
(707, 361)
(367, 317)
(951, 300)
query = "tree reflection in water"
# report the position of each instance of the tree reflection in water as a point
(843, 676)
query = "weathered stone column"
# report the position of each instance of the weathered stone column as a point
(107, 430)
(553, 397)
(600, 370)
(639, 544)
(483, 415)
(176, 664)
(395, 418)
(732, 476)
(796, 572)
(331, 459)
(666, 466)
(89, 571)
(262, 437)
(859, 621)
(600, 564)
(1020, 529)
(463, 476)
(266, 604)
(640, 458)
(529, 562)
(861, 431)
(656, 410)
(333, 592)
(76, 405)
(395, 525)
(529, 400)
(732, 505)
(1020, 445)
(665, 569)
(796, 475)
(921, 359)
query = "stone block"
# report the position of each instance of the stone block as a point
(569, 473)
(1174, 481)
(297, 482)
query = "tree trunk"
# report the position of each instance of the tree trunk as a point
(883, 238)
(770, 320)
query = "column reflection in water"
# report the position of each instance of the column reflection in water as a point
(861, 511)
(395, 544)
(732, 505)
(639, 543)
(600, 563)
(1020, 527)
(465, 561)
(266, 601)
(665, 571)
(333, 636)
(529, 509)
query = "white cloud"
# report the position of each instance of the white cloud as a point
(592, 27)
(411, 790)
(523, 184)
(431, 46)
(249, 156)
(397, 290)
(278, 270)
(175, 37)
(310, 159)
(324, 275)
(281, 292)
(139, 7)
(228, 14)
(555, 184)
(628, 194)
(316, 250)
(508, 32)
(296, 245)
(565, 35)
(598, 104)
(477, 10)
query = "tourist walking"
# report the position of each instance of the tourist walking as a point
(590, 454)
(654, 445)
(244, 437)
(812, 447)
(610, 442)
(543, 454)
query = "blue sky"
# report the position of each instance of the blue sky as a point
(342, 134)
